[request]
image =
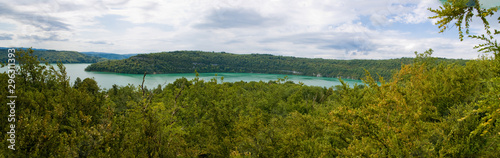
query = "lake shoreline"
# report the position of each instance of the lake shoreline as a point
(108, 79)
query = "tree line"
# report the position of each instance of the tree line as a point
(54, 56)
(191, 61)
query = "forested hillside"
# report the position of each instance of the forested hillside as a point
(189, 61)
(54, 56)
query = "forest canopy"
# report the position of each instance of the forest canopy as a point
(191, 61)
(419, 113)
(54, 56)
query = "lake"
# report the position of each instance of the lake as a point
(107, 79)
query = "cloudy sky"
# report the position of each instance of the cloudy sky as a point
(335, 29)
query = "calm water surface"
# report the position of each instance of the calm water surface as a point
(106, 79)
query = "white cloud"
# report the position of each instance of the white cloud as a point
(305, 28)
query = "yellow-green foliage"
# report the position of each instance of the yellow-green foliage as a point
(427, 109)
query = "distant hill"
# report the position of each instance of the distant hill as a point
(189, 61)
(54, 56)
(108, 55)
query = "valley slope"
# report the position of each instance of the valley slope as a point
(191, 61)
(54, 56)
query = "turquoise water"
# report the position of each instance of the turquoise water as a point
(106, 79)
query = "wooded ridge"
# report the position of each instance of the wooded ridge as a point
(55, 56)
(189, 61)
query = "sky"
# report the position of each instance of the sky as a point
(331, 29)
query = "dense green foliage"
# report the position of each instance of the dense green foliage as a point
(420, 113)
(189, 61)
(54, 56)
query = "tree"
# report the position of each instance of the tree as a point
(463, 12)
(488, 107)
(89, 85)
(77, 83)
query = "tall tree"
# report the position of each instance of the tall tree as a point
(462, 13)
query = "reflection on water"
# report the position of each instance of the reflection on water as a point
(106, 80)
